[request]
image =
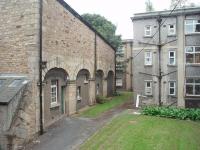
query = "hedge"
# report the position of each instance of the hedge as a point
(172, 112)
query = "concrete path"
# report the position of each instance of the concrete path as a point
(69, 133)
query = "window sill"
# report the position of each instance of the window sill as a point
(148, 65)
(148, 95)
(171, 35)
(193, 33)
(86, 81)
(145, 36)
(192, 96)
(53, 105)
(79, 99)
(192, 64)
(171, 65)
(172, 96)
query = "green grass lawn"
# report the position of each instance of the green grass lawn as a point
(138, 132)
(98, 109)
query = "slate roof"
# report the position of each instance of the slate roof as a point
(10, 85)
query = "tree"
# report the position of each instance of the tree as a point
(181, 3)
(192, 5)
(104, 27)
(149, 6)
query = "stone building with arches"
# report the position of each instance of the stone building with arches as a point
(47, 39)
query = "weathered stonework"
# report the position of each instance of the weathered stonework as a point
(68, 43)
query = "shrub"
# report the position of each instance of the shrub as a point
(172, 112)
(101, 99)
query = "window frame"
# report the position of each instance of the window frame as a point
(146, 88)
(193, 84)
(174, 87)
(169, 29)
(54, 86)
(78, 92)
(193, 24)
(149, 30)
(193, 53)
(150, 58)
(174, 57)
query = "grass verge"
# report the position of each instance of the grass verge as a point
(139, 132)
(98, 109)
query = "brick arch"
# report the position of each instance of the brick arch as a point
(57, 62)
(78, 67)
(100, 75)
(107, 72)
(101, 71)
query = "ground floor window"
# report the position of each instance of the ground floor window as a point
(193, 86)
(54, 91)
(148, 87)
(78, 93)
(192, 54)
(119, 82)
(97, 88)
(172, 88)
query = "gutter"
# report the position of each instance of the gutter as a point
(115, 73)
(40, 67)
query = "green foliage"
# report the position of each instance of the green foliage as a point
(104, 27)
(101, 99)
(149, 6)
(178, 4)
(172, 112)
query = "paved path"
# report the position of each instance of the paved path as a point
(69, 133)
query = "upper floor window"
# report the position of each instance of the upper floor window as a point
(148, 58)
(172, 88)
(192, 26)
(171, 29)
(172, 57)
(193, 86)
(147, 31)
(54, 91)
(192, 54)
(148, 87)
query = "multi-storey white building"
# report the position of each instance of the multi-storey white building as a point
(166, 56)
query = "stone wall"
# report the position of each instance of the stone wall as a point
(19, 49)
(68, 43)
(19, 35)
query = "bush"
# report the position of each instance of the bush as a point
(101, 99)
(172, 112)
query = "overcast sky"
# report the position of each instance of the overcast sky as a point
(118, 11)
